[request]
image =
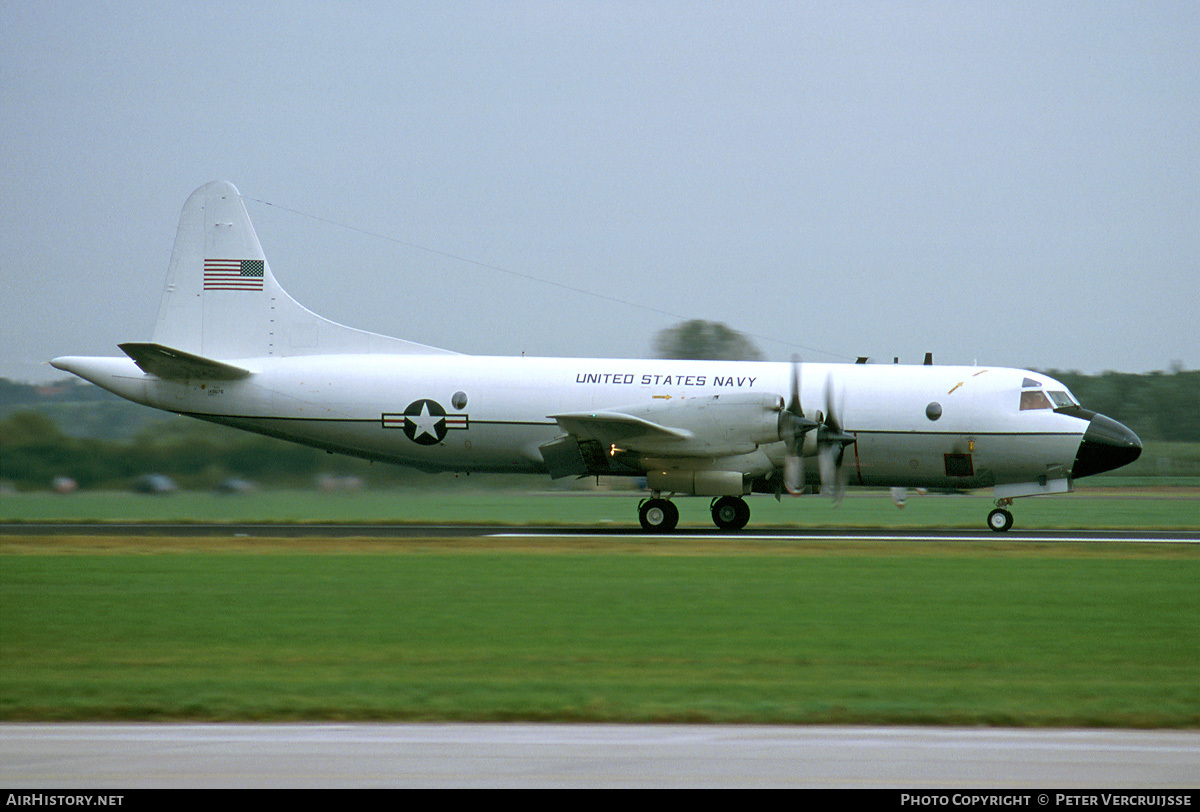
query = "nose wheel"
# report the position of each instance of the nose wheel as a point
(658, 515)
(1000, 520)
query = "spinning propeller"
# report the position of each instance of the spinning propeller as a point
(793, 425)
(831, 441)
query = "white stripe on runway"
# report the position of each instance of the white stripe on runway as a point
(861, 537)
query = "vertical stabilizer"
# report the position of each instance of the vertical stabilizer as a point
(222, 301)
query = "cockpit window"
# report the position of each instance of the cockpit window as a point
(1061, 399)
(1035, 399)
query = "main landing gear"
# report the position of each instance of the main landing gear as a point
(1000, 519)
(659, 515)
(730, 512)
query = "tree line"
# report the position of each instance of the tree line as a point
(1158, 406)
(34, 452)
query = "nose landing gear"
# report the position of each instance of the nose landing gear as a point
(1000, 519)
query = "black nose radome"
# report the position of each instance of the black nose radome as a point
(1106, 445)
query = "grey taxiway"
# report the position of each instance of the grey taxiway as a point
(131, 756)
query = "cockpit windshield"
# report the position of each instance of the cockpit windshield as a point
(1062, 399)
(1034, 397)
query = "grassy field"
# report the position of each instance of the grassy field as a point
(731, 629)
(726, 630)
(1094, 508)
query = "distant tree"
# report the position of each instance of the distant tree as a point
(13, 394)
(27, 428)
(705, 340)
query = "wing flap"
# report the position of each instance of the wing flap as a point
(177, 365)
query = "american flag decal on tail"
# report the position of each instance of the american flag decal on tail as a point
(233, 274)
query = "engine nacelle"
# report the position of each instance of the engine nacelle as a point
(698, 483)
(718, 425)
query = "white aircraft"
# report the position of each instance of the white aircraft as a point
(230, 346)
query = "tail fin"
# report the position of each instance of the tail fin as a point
(221, 300)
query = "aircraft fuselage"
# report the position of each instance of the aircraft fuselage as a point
(492, 414)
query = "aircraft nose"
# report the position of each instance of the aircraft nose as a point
(1106, 445)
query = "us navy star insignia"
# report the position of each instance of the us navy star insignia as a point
(426, 426)
(424, 421)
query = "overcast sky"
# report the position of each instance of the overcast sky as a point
(1004, 183)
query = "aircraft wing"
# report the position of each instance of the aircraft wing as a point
(637, 437)
(177, 365)
(615, 428)
(712, 427)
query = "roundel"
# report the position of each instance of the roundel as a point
(425, 422)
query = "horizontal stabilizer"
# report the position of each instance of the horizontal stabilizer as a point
(177, 365)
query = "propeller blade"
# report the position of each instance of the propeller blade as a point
(827, 466)
(794, 404)
(831, 418)
(841, 478)
(831, 447)
(793, 426)
(793, 474)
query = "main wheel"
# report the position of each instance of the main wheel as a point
(730, 513)
(658, 516)
(1000, 520)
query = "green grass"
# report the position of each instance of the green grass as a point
(720, 631)
(1092, 508)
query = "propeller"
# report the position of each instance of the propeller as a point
(832, 441)
(793, 425)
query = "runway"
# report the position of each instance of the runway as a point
(422, 531)
(134, 756)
